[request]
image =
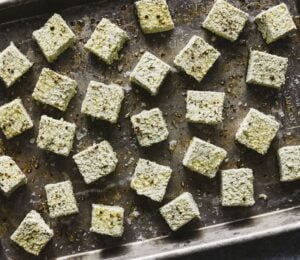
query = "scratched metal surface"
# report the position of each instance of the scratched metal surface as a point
(142, 218)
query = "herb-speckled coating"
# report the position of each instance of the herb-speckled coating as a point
(289, 162)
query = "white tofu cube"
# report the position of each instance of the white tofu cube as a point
(56, 136)
(54, 89)
(275, 23)
(60, 199)
(33, 233)
(203, 157)
(107, 220)
(106, 41)
(11, 176)
(289, 163)
(196, 58)
(14, 119)
(237, 187)
(103, 101)
(151, 179)
(225, 20)
(205, 107)
(13, 65)
(150, 73)
(257, 131)
(266, 69)
(154, 16)
(150, 127)
(96, 161)
(54, 37)
(180, 211)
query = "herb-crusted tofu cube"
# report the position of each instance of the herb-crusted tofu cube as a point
(237, 187)
(289, 163)
(180, 211)
(14, 119)
(107, 220)
(151, 179)
(13, 65)
(150, 73)
(150, 127)
(266, 69)
(11, 177)
(203, 157)
(275, 23)
(225, 20)
(154, 16)
(54, 89)
(56, 135)
(106, 41)
(60, 199)
(103, 101)
(96, 161)
(54, 37)
(257, 131)
(33, 233)
(196, 58)
(204, 107)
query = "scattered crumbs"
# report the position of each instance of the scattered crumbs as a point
(263, 196)
(172, 145)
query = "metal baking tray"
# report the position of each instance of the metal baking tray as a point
(146, 234)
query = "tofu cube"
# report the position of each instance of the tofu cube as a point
(289, 163)
(96, 161)
(196, 58)
(54, 37)
(154, 16)
(54, 89)
(257, 131)
(103, 101)
(150, 73)
(150, 127)
(275, 23)
(11, 176)
(60, 199)
(107, 220)
(151, 179)
(13, 65)
(56, 135)
(266, 69)
(203, 157)
(205, 107)
(225, 20)
(180, 211)
(14, 119)
(33, 233)
(237, 187)
(106, 41)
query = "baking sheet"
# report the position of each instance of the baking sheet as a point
(142, 218)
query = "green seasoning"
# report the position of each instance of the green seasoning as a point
(289, 163)
(56, 135)
(225, 20)
(257, 131)
(196, 58)
(54, 89)
(103, 101)
(60, 199)
(150, 127)
(237, 187)
(154, 16)
(107, 220)
(96, 161)
(203, 157)
(54, 37)
(33, 233)
(150, 73)
(151, 179)
(106, 41)
(180, 211)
